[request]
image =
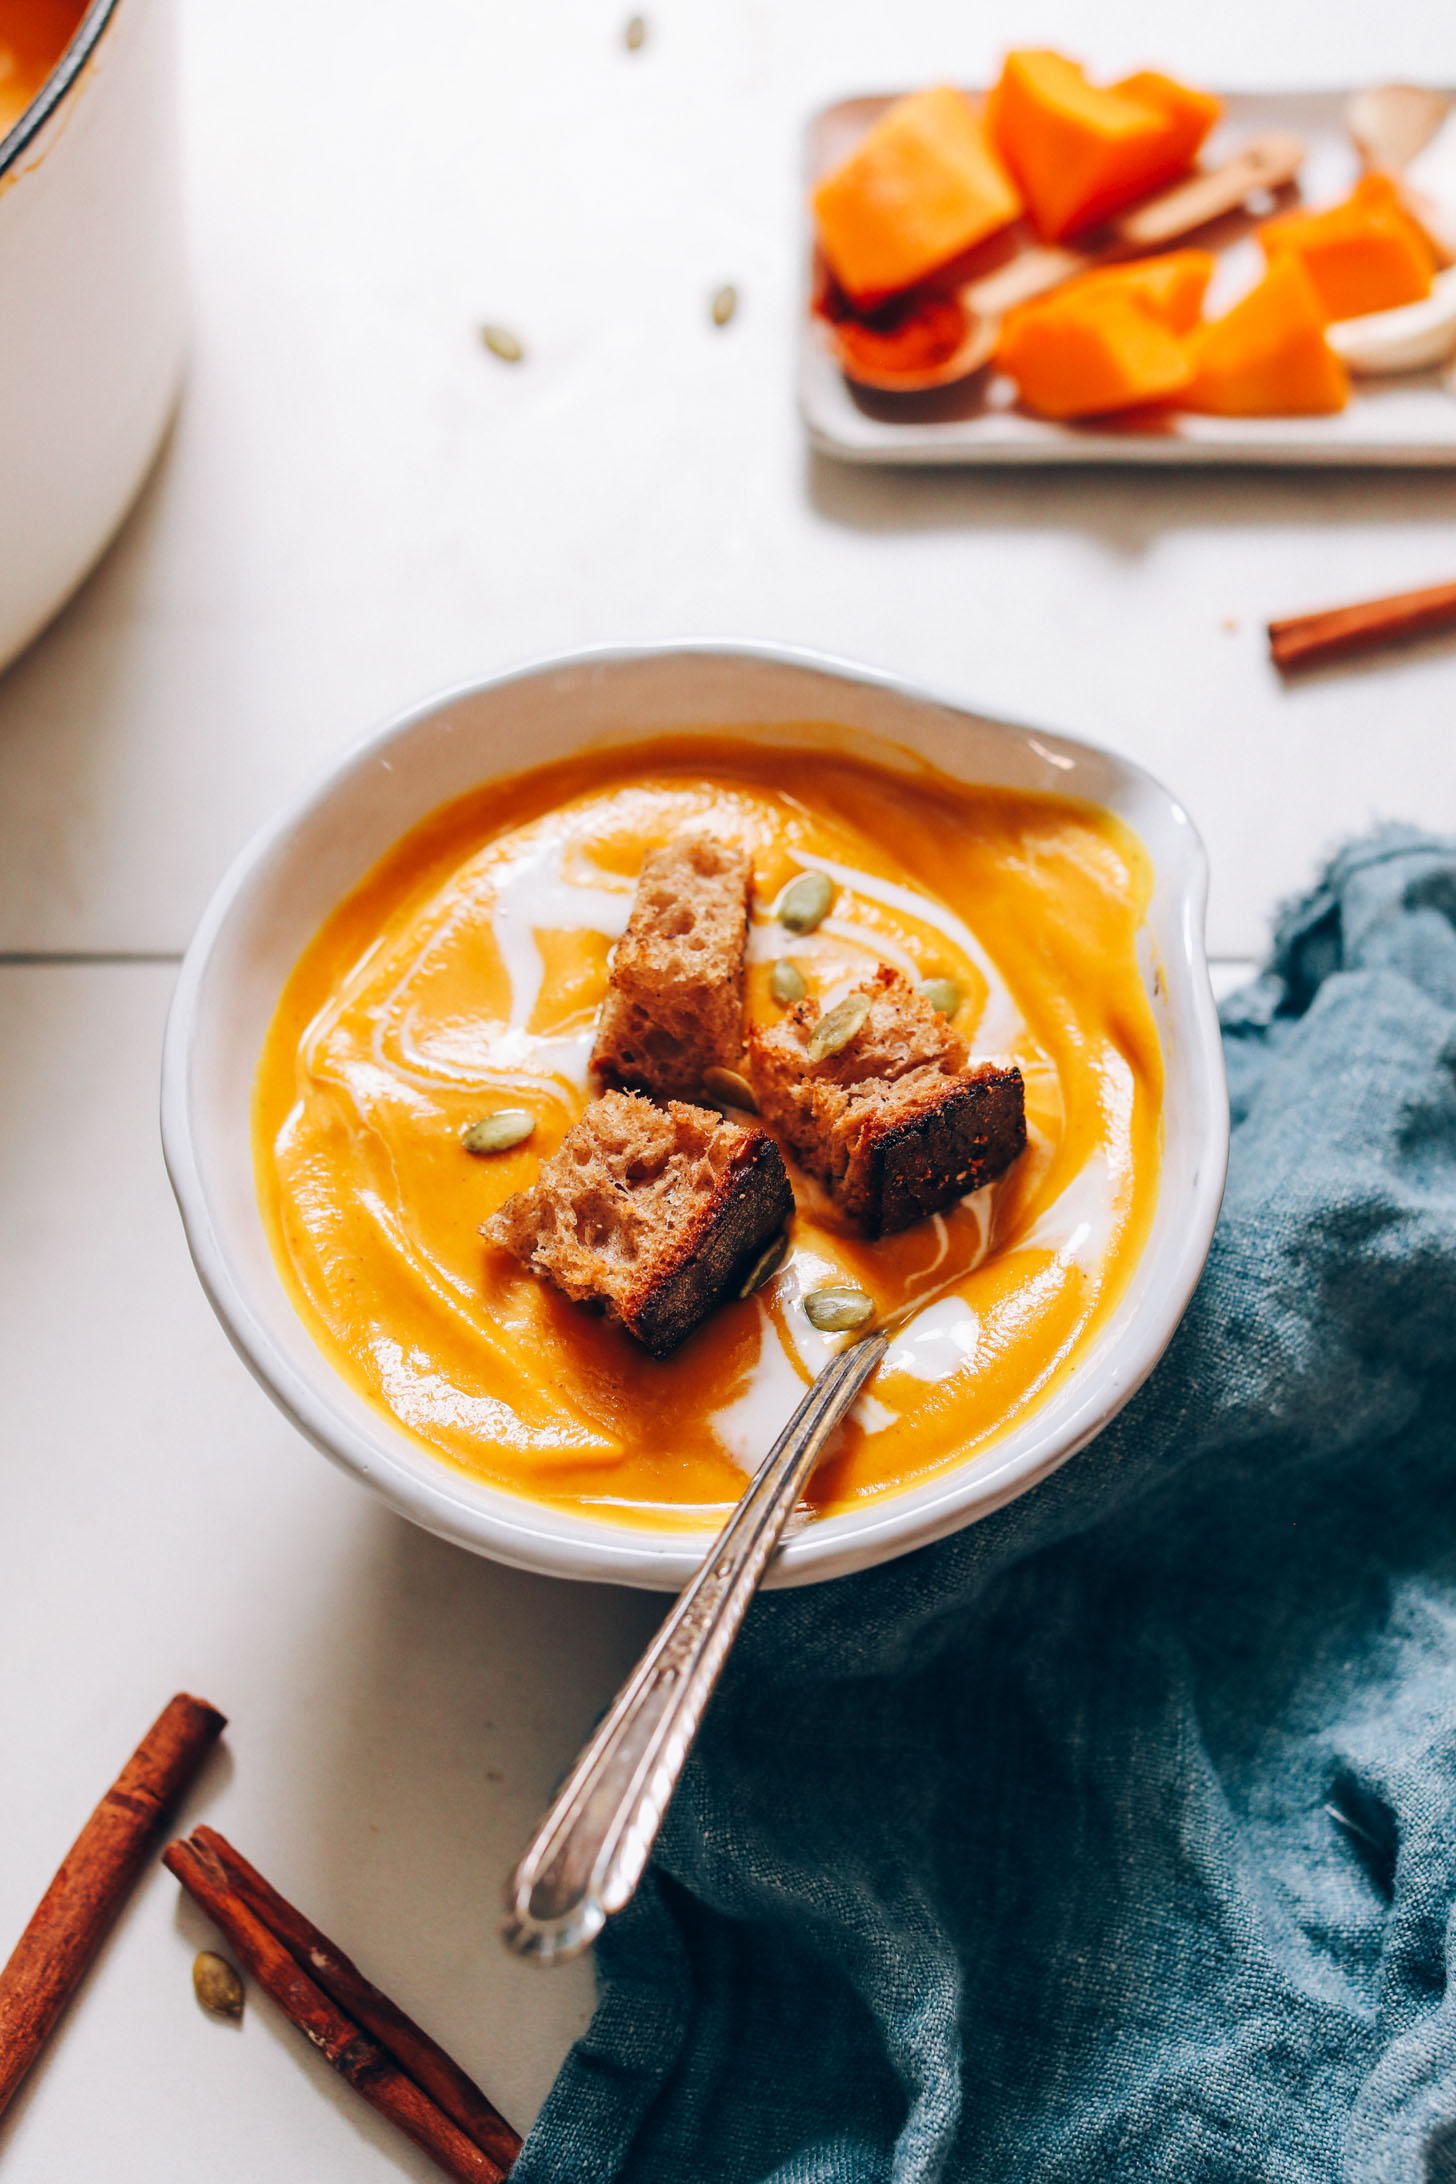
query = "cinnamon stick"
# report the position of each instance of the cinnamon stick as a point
(1304, 640)
(427, 2063)
(364, 2062)
(83, 1902)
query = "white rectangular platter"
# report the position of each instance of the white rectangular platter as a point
(1409, 421)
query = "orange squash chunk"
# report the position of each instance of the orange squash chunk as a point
(1366, 254)
(1172, 286)
(1078, 355)
(1268, 357)
(1189, 114)
(923, 186)
(1080, 153)
(1070, 357)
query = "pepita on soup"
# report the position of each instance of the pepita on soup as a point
(835, 1311)
(766, 1265)
(807, 902)
(786, 983)
(497, 1133)
(943, 994)
(837, 1028)
(733, 1090)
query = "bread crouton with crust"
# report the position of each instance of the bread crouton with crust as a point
(894, 1123)
(652, 1214)
(674, 1005)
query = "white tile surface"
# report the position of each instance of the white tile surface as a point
(399, 1709)
(359, 505)
(1228, 974)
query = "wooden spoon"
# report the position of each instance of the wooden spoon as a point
(1391, 122)
(933, 340)
(1399, 130)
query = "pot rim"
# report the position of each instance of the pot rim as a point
(58, 84)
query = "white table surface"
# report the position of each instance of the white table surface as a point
(359, 505)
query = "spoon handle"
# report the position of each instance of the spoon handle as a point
(1265, 164)
(589, 1852)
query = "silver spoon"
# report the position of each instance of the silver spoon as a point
(590, 1851)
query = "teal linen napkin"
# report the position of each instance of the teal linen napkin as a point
(1116, 1837)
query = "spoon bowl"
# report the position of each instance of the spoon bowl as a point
(934, 342)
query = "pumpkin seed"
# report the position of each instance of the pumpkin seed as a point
(837, 1028)
(836, 1311)
(725, 303)
(635, 34)
(503, 343)
(767, 1264)
(943, 994)
(786, 983)
(733, 1090)
(217, 1986)
(806, 903)
(497, 1133)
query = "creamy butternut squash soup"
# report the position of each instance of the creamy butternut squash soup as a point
(467, 972)
(33, 36)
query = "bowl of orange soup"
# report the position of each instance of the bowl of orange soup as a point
(427, 937)
(91, 284)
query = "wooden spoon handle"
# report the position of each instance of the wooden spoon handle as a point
(1263, 165)
(1030, 273)
(1392, 122)
(1266, 164)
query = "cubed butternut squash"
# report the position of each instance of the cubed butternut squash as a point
(1078, 152)
(1171, 286)
(1268, 356)
(1189, 114)
(1079, 354)
(922, 186)
(1366, 254)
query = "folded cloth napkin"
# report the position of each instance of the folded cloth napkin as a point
(1116, 1836)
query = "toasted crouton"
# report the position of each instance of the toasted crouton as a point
(894, 1124)
(653, 1214)
(674, 1006)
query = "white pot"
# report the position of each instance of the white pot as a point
(297, 871)
(91, 303)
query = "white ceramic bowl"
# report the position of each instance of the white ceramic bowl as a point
(282, 887)
(91, 303)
